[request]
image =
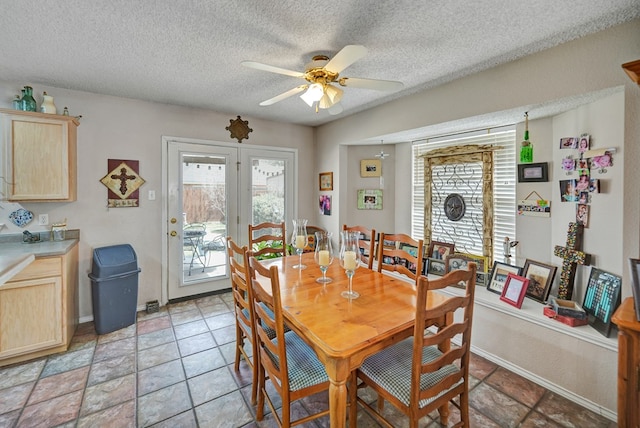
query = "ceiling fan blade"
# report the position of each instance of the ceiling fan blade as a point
(378, 85)
(347, 56)
(271, 68)
(282, 96)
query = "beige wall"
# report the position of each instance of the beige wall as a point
(119, 128)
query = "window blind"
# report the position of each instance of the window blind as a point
(504, 181)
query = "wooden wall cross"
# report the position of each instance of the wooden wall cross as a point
(571, 258)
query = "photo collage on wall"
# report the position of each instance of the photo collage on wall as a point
(580, 190)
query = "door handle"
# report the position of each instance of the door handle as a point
(173, 233)
(173, 220)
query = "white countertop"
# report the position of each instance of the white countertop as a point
(15, 256)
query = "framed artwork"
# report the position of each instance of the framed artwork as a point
(515, 288)
(440, 250)
(499, 274)
(370, 199)
(436, 267)
(370, 168)
(540, 278)
(326, 181)
(533, 172)
(601, 299)
(634, 265)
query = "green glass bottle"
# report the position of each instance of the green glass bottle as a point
(526, 148)
(28, 102)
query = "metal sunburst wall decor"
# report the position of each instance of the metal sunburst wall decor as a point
(239, 129)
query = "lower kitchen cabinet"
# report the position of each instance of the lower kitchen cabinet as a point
(39, 308)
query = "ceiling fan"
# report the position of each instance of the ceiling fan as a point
(320, 74)
(382, 155)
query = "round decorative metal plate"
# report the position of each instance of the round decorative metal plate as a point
(454, 207)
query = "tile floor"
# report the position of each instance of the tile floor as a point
(175, 369)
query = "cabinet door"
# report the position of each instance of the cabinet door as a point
(30, 316)
(41, 153)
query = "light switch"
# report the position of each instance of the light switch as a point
(152, 195)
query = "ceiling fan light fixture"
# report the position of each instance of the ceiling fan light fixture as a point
(334, 94)
(313, 94)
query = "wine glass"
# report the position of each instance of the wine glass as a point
(323, 254)
(349, 251)
(299, 239)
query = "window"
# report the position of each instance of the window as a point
(504, 186)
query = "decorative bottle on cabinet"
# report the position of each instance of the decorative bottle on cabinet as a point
(17, 102)
(28, 102)
(47, 105)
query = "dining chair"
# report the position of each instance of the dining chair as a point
(367, 243)
(311, 238)
(267, 240)
(243, 310)
(401, 253)
(423, 373)
(290, 364)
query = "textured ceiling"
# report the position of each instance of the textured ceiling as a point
(188, 52)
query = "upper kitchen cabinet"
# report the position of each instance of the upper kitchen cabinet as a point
(39, 156)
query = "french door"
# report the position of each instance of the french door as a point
(214, 190)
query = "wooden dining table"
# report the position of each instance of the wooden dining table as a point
(343, 332)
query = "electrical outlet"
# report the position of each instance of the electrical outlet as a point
(43, 219)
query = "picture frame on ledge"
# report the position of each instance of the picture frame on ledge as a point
(499, 274)
(515, 288)
(540, 278)
(601, 299)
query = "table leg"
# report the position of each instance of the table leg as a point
(338, 403)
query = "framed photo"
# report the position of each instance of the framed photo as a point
(515, 288)
(481, 278)
(409, 249)
(481, 261)
(436, 267)
(533, 172)
(540, 278)
(370, 168)
(457, 262)
(326, 181)
(324, 203)
(370, 199)
(634, 265)
(440, 250)
(499, 274)
(601, 299)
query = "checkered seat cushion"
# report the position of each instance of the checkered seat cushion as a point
(391, 369)
(304, 367)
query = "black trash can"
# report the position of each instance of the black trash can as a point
(114, 287)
